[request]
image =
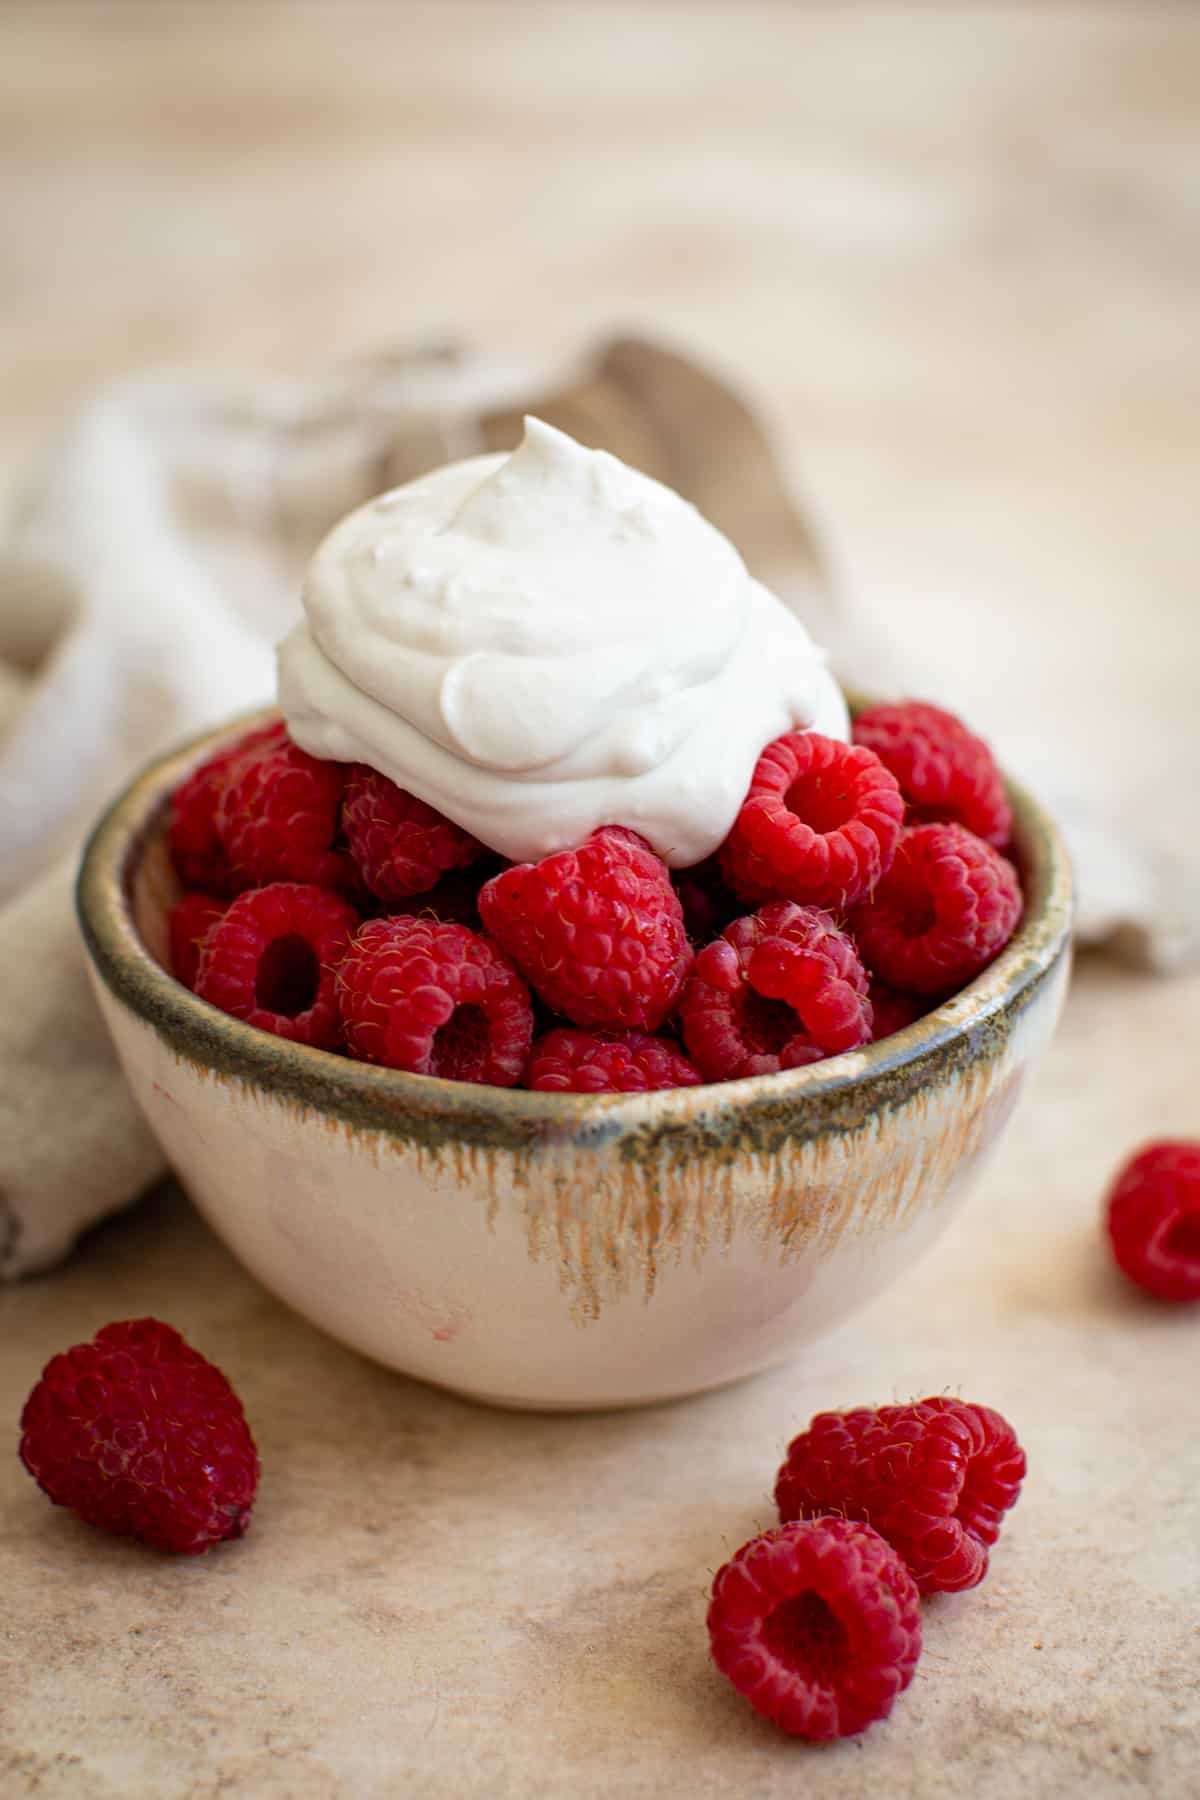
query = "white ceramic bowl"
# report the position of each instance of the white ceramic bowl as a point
(558, 1250)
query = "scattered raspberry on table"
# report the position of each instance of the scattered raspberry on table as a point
(1153, 1219)
(818, 1624)
(140, 1435)
(935, 1478)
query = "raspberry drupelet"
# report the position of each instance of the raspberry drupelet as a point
(196, 850)
(271, 960)
(1153, 1219)
(778, 989)
(819, 824)
(401, 845)
(946, 774)
(818, 1624)
(597, 931)
(435, 999)
(569, 1061)
(188, 924)
(278, 817)
(947, 907)
(139, 1434)
(935, 1478)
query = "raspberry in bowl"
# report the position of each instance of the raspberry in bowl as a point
(515, 1009)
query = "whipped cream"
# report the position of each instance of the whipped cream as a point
(544, 642)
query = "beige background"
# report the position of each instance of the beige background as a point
(956, 249)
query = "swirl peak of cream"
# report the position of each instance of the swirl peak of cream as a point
(544, 642)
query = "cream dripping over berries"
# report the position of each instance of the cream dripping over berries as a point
(541, 643)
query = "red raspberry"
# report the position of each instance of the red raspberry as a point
(818, 1625)
(1154, 1220)
(401, 845)
(188, 924)
(934, 1478)
(819, 825)
(272, 960)
(279, 817)
(891, 1010)
(587, 1062)
(196, 850)
(778, 989)
(946, 773)
(597, 931)
(435, 999)
(139, 1434)
(947, 906)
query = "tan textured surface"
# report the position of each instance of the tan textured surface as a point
(958, 249)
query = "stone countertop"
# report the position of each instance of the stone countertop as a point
(956, 248)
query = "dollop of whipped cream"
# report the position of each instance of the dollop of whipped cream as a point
(544, 642)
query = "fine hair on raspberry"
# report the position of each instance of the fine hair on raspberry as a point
(271, 959)
(778, 989)
(819, 824)
(935, 1478)
(818, 1625)
(140, 1435)
(435, 999)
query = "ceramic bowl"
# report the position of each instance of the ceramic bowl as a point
(561, 1250)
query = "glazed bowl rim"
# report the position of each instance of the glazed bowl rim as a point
(432, 1109)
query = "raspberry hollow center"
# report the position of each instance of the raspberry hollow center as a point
(288, 978)
(823, 803)
(806, 1635)
(1181, 1240)
(461, 1046)
(767, 1025)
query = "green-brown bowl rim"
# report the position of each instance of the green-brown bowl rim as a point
(757, 1113)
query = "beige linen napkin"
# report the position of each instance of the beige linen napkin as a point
(148, 570)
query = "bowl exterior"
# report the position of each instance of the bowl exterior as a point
(587, 1264)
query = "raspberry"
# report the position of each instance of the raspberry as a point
(587, 1062)
(196, 850)
(819, 825)
(1154, 1220)
(435, 999)
(778, 989)
(188, 924)
(891, 1010)
(947, 906)
(272, 960)
(140, 1435)
(946, 773)
(401, 845)
(278, 817)
(934, 1478)
(818, 1624)
(597, 931)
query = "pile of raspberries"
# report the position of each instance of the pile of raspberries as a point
(860, 885)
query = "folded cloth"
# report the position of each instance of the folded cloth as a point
(150, 566)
